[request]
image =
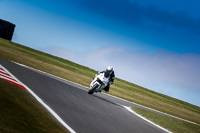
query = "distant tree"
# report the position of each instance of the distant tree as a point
(6, 29)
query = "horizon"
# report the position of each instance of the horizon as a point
(154, 44)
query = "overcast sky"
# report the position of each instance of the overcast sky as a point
(155, 44)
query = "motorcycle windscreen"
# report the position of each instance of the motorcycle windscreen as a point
(106, 74)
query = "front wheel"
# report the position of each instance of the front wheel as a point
(91, 91)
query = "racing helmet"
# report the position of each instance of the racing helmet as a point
(109, 69)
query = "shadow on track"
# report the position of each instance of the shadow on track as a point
(106, 100)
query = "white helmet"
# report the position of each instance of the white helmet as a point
(109, 69)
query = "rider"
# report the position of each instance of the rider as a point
(112, 77)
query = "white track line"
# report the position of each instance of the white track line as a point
(41, 102)
(130, 110)
(154, 110)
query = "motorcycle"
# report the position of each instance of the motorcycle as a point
(99, 82)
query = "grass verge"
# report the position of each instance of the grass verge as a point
(21, 113)
(169, 123)
(83, 75)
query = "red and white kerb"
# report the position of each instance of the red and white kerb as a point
(6, 75)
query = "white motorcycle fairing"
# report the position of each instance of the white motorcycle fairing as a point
(99, 82)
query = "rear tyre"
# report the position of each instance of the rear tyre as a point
(91, 91)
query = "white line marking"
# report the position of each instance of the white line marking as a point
(153, 110)
(10, 80)
(2, 71)
(56, 77)
(41, 102)
(4, 75)
(130, 110)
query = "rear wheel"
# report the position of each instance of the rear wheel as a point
(91, 91)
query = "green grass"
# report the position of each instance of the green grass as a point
(83, 75)
(169, 123)
(21, 113)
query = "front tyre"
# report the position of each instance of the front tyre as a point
(91, 91)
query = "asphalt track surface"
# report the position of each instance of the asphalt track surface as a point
(84, 113)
